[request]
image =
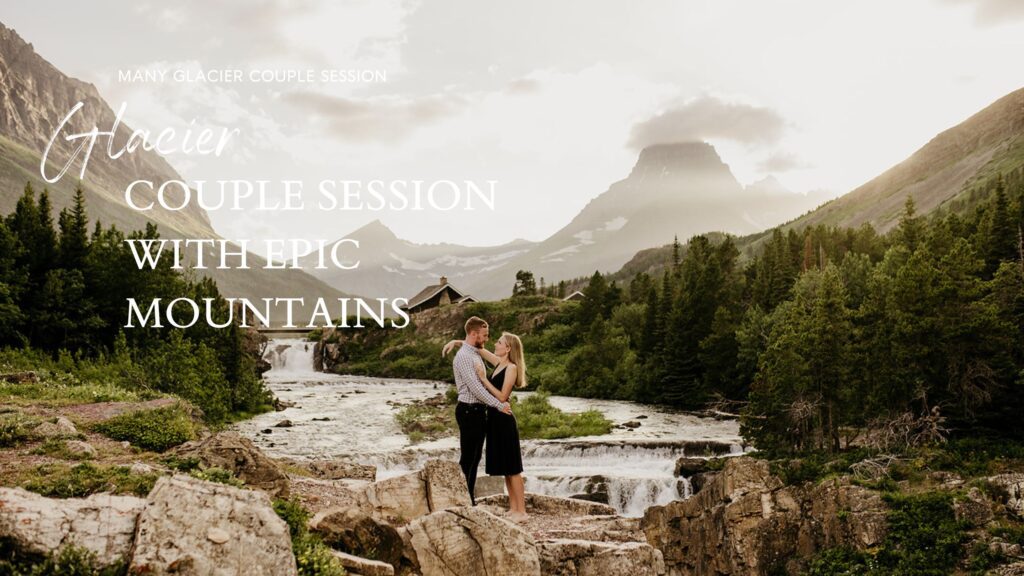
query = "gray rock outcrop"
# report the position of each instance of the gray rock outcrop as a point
(744, 521)
(102, 524)
(239, 455)
(192, 527)
(467, 540)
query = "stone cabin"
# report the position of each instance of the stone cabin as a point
(433, 296)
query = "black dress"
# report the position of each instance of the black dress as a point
(503, 455)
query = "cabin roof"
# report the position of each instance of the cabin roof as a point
(431, 291)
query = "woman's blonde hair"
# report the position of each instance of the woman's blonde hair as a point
(515, 356)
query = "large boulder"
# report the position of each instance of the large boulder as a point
(445, 485)
(102, 523)
(353, 531)
(467, 540)
(318, 495)
(400, 499)
(239, 455)
(588, 558)
(439, 485)
(59, 428)
(744, 521)
(193, 527)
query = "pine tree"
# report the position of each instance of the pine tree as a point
(909, 230)
(1002, 239)
(74, 234)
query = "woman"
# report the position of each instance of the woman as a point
(504, 457)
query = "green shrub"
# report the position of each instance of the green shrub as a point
(1012, 533)
(840, 562)
(815, 466)
(15, 429)
(977, 456)
(195, 468)
(218, 475)
(58, 448)
(537, 418)
(312, 556)
(924, 536)
(426, 422)
(69, 561)
(59, 481)
(155, 430)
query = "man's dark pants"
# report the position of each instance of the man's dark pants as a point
(472, 421)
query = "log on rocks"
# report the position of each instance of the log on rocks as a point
(363, 566)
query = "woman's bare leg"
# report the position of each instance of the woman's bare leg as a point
(516, 494)
(509, 491)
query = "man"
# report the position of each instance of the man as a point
(471, 411)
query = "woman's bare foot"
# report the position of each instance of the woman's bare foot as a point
(518, 517)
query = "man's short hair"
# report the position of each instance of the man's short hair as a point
(474, 323)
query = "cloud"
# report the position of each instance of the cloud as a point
(993, 12)
(782, 162)
(382, 119)
(707, 118)
(522, 86)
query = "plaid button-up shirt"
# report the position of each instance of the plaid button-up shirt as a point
(467, 381)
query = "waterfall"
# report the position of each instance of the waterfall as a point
(290, 356)
(628, 496)
(634, 475)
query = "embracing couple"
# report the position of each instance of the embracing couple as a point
(484, 412)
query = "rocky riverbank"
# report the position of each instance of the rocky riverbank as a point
(218, 504)
(417, 523)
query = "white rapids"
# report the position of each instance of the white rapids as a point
(353, 417)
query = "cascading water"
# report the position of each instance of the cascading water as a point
(352, 417)
(634, 477)
(290, 356)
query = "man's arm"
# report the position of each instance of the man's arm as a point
(467, 370)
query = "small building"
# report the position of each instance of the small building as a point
(436, 295)
(574, 297)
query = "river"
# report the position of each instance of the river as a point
(353, 417)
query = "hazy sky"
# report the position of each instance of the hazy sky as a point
(551, 99)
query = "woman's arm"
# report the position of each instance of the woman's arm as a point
(449, 346)
(484, 353)
(487, 383)
(509, 383)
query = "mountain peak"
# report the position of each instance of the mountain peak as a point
(768, 186)
(374, 231)
(663, 159)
